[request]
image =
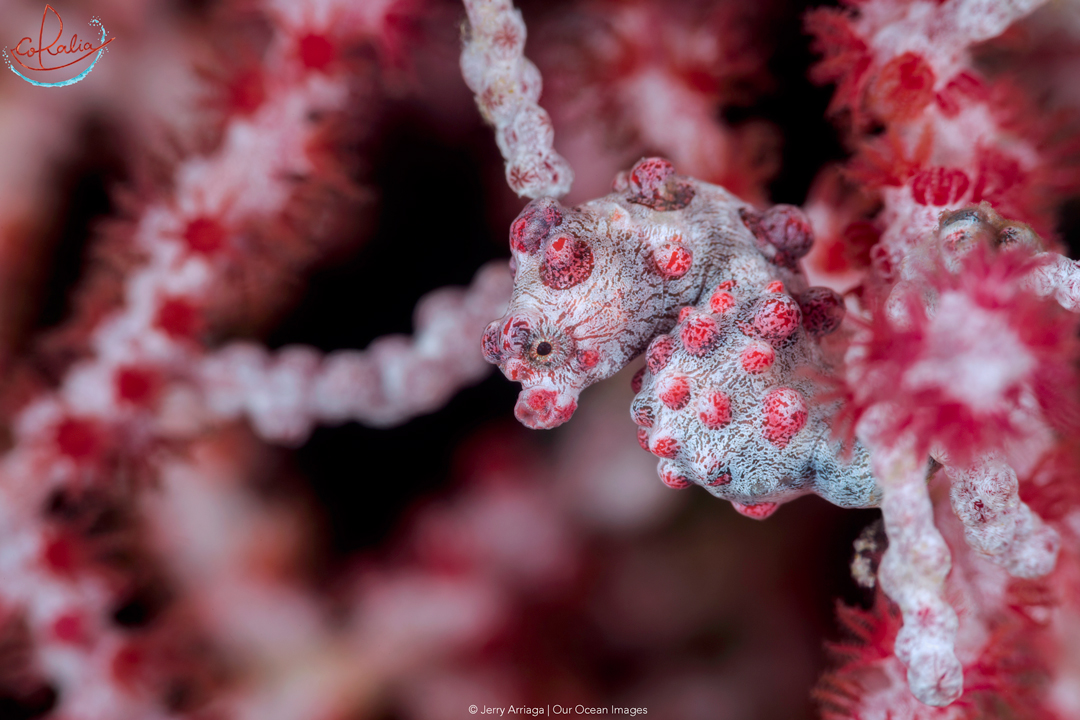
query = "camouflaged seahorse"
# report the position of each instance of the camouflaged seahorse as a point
(594, 284)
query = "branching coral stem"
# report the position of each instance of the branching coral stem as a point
(507, 87)
(997, 523)
(913, 572)
(398, 377)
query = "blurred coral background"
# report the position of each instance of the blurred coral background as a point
(162, 561)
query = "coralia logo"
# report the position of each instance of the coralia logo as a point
(66, 54)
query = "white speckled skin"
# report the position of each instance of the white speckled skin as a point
(738, 461)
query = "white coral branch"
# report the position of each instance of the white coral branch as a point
(395, 379)
(1059, 278)
(507, 87)
(997, 524)
(913, 572)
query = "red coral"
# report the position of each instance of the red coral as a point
(902, 88)
(1006, 678)
(870, 634)
(953, 376)
(847, 59)
(316, 51)
(939, 186)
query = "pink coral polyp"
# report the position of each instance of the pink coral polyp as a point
(955, 374)
(903, 87)
(939, 186)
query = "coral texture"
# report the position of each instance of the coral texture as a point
(218, 497)
(285, 394)
(649, 77)
(728, 397)
(144, 388)
(958, 346)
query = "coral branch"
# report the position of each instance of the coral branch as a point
(285, 394)
(951, 137)
(1059, 278)
(636, 77)
(912, 573)
(242, 208)
(507, 88)
(985, 496)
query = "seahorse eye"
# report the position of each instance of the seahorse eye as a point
(543, 349)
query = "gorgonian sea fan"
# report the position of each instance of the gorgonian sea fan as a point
(958, 355)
